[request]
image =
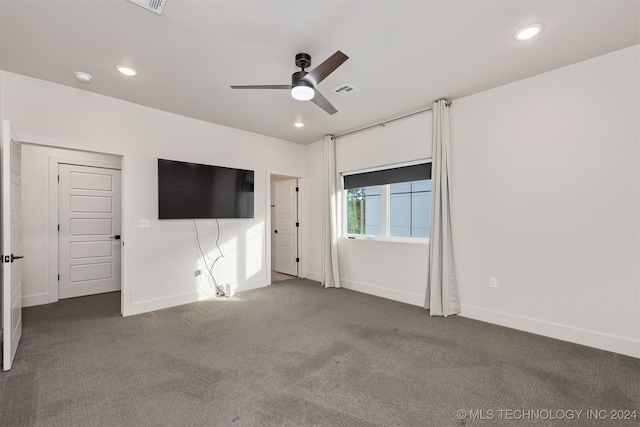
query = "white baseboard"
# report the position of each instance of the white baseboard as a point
(253, 284)
(311, 275)
(162, 303)
(32, 300)
(391, 294)
(188, 298)
(594, 339)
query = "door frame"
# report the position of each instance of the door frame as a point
(54, 197)
(126, 158)
(268, 227)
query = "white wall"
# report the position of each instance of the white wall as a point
(387, 269)
(546, 194)
(38, 267)
(159, 262)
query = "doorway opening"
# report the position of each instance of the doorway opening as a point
(80, 221)
(285, 225)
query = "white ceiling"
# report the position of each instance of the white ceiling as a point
(403, 54)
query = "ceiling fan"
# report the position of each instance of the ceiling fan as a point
(303, 83)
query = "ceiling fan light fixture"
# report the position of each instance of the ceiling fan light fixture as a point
(302, 93)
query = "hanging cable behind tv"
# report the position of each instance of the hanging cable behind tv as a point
(210, 276)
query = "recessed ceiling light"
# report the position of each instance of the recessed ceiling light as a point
(126, 70)
(82, 76)
(298, 124)
(528, 32)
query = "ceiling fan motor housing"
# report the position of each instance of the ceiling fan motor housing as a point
(296, 79)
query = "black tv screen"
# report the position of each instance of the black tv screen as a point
(191, 190)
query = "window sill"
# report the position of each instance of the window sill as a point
(391, 239)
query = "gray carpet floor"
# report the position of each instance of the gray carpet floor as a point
(295, 354)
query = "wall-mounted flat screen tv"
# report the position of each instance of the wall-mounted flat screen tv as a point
(191, 190)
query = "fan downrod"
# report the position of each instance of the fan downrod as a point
(303, 60)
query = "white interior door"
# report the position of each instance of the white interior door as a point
(11, 248)
(89, 230)
(286, 230)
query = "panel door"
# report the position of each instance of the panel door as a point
(89, 230)
(286, 231)
(11, 247)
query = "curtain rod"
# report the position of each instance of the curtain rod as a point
(386, 121)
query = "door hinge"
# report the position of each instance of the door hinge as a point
(58, 277)
(58, 178)
(297, 189)
(297, 224)
(297, 259)
(58, 227)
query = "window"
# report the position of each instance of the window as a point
(363, 210)
(393, 202)
(410, 208)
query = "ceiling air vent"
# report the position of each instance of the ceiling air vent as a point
(152, 5)
(346, 90)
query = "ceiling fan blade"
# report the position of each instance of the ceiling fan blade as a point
(262, 87)
(322, 102)
(321, 72)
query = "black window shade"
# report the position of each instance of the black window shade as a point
(388, 176)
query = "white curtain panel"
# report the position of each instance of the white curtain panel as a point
(330, 271)
(442, 291)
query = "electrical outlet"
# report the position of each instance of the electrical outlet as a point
(197, 273)
(493, 282)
